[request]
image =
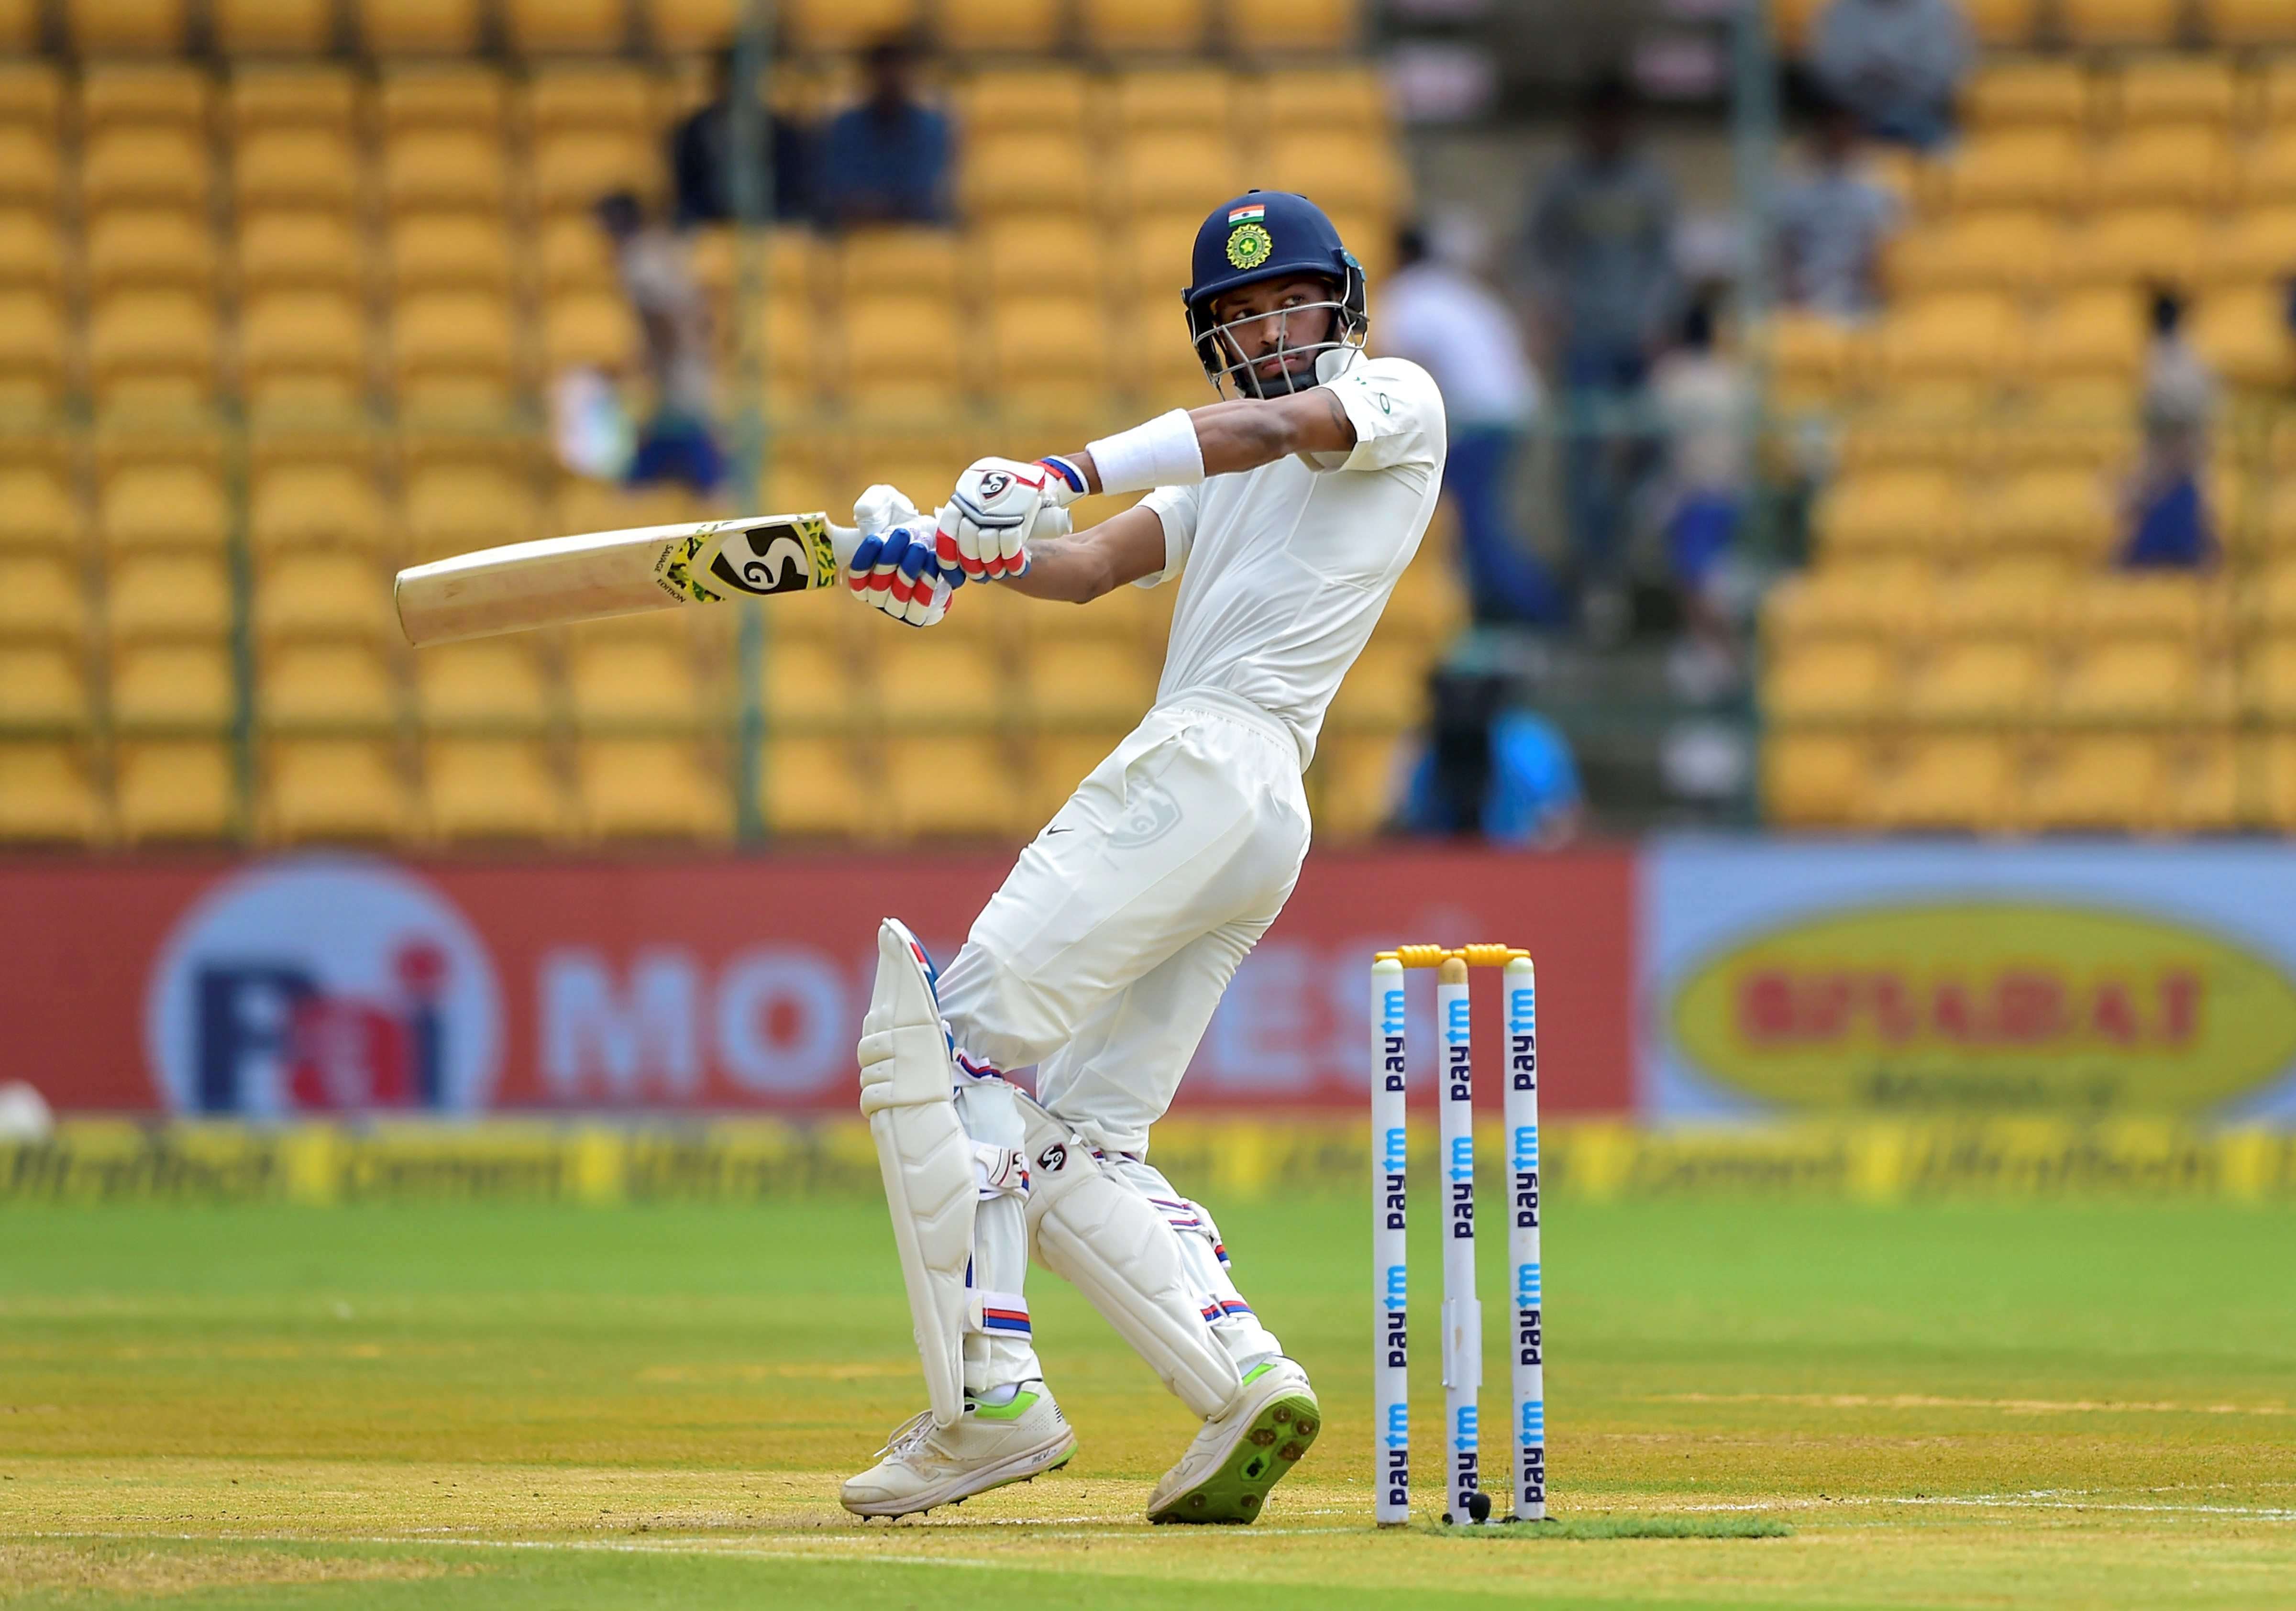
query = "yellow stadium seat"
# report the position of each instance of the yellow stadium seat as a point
(335, 788)
(111, 28)
(301, 251)
(36, 510)
(2011, 596)
(2017, 168)
(2093, 781)
(692, 27)
(2247, 22)
(2258, 245)
(163, 596)
(162, 505)
(2270, 678)
(1096, 686)
(2091, 333)
(583, 506)
(1915, 510)
(592, 99)
(137, 335)
(2001, 24)
(622, 681)
(174, 790)
(1025, 172)
(832, 25)
(1041, 98)
(46, 796)
(116, 93)
(2087, 424)
(2090, 22)
(493, 789)
(2267, 174)
(1385, 690)
(2051, 90)
(1042, 253)
(1428, 604)
(309, 342)
(481, 686)
(41, 684)
(2013, 248)
(1827, 602)
(336, 686)
(807, 684)
(536, 27)
(2243, 330)
(31, 347)
(1976, 679)
(172, 685)
(321, 505)
(901, 350)
(455, 508)
(1120, 27)
(2165, 165)
(1292, 26)
(813, 788)
(1339, 172)
(296, 167)
(2180, 607)
(1815, 779)
(1350, 97)
(32, 252)
(1957, 781)
(324, 595)
(2129, 679)
(1000, 25)
(2155, 245)
(1058, 763)
(444, 169)
(30, 173)
(444, 28)
(1971, 336)
(2062, 507)
(572, 171)
(651, 788)
(1040, 367)
(2202, 783)
(443, 95)
(941, 786)
(149, 247)
(1197, 100)
(141, 166)
(299, 96)
(287, 27)
(1831, 679)
(31, 93)
(40, 597)
(452, 336)
(2178, 89)
(590, 329)
(572, 252)
(924, 685)
(1176, 168)
(1357, 781)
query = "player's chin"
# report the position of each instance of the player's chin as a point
(1289, 378)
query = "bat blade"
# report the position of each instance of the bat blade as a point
(558, 580)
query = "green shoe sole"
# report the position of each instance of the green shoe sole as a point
(1280, 1434)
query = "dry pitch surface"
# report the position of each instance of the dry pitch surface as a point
(1950, 1406)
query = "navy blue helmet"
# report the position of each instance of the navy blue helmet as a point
(1271, 235)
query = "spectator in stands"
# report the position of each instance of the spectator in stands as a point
(1489, 770)
(701, 159)
(1833, 223)
(1600, 250)
(1897, 64)
(1435, 311)
(2168, 522)
(677, 442)
(886, 160)
(1706, 407)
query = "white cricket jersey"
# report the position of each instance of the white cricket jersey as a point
(1284, 570)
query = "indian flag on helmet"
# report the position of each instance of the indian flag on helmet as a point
(1252, 214)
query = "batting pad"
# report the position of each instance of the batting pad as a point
(925, 1158)
(1095, 1232)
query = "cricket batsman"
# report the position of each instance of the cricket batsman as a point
(1284, 513)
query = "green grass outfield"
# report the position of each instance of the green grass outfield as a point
(1982, 1405)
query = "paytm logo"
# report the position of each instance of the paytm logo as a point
(325, 985)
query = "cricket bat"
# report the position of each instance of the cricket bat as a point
(562, 579)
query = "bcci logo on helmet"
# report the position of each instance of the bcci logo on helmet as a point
(323, 986)
(1249, 245)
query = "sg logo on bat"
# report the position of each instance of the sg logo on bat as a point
(788, 556)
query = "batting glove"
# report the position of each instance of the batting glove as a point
(999, 504)
(896, 571)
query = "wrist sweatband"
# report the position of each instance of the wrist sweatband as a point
(1163, 453)
(1065, 482)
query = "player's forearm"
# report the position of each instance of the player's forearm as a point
(1243, 435)
(1064, 570)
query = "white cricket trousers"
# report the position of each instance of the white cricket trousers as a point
(1101, 959)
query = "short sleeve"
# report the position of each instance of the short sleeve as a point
(1397, 412)
(1178, 507)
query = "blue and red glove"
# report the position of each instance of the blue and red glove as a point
(896, 571)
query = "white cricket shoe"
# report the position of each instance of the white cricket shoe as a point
(991, 1445)
(1238, 1457)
